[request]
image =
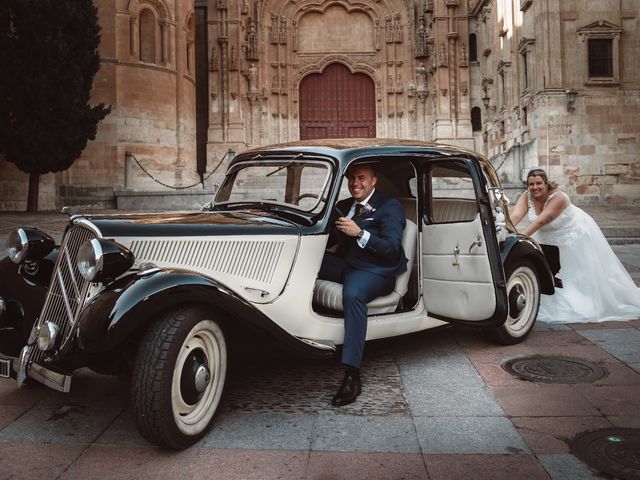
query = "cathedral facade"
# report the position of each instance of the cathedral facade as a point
(549, 83)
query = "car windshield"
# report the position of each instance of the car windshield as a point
(297, 183)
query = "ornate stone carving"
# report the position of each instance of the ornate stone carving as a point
(393, 28)
(397, 28)
(233, 59)
(421, 40)
(442, 56)
(463, 59)
(244, 7)
(278, 30)
(421, 78)
(213, 62)
(399, 87)
(252, 78)
(251, 44)
(221, 4)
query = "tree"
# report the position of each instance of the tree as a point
(48, 54)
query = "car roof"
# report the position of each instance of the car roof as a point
(349, 149)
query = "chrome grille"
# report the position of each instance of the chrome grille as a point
(67, 291)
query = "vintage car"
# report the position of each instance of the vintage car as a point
(165, 297)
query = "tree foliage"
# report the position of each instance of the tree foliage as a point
(48, 56)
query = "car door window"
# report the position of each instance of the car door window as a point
(453, 198)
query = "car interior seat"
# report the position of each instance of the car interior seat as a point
(328, 294)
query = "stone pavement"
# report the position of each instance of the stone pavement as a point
(435, 405)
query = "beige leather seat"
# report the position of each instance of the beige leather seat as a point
(329, 294)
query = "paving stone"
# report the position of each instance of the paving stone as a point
(544, 400)
(451, 401)
(8, 413)
(552, 434)
(365, 434)
(482, 467)
(443, 370)
(617, 400)
(540, 326)
(123, 431)
(468, 435)
(60, 424)
(126, 462)
(366, 466)
(261, 431)
(563, 466)
(232, 464)
(621, 343)
(37, 461)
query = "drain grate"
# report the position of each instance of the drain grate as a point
(552, 369)
(306, 386)
(614, 451)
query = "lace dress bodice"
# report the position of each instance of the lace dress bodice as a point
(561, 229)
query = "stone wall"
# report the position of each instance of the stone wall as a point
(418, 55)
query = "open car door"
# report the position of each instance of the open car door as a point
(462, 276)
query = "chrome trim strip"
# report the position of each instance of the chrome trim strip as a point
(23, 361)
(55, 380)
(72, 277)
(65, 296)
(329, 346)
(81, 221)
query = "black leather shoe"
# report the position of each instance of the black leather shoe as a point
(348, 391)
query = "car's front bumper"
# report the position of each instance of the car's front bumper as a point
(20, 369)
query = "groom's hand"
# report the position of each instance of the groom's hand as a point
(347, 226)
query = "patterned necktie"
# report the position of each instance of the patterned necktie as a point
(359, 210)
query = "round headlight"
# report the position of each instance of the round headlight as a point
(90, 259)
(47, 335)
(17, 245)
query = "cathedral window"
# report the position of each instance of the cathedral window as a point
(473, 48)
(600, 57)
(476, 119)
(601, 41)
(147, 33)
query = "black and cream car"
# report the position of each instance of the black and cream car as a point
(165, 297)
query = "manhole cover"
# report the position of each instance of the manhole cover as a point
(615, 451)
(553, 369)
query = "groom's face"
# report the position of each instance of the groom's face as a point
(361, 181)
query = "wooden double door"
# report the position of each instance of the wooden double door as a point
(337, 104)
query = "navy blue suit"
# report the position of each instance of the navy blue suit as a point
(365, 273)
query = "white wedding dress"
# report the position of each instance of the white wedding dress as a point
(596, 286)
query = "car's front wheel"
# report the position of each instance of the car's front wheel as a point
(178, 377)
(523, 295)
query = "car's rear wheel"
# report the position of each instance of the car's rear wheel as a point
(178, 377)
(523, 295)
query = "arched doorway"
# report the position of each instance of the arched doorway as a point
(337, 104)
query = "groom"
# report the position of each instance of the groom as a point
(368, 233)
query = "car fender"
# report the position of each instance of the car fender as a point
(519, 247)
(24, 292)
(125, 308)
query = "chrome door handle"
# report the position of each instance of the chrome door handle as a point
(477, 243)
(456, 252)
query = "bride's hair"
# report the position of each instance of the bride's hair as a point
(538, 172)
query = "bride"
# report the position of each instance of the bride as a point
(597, 287)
